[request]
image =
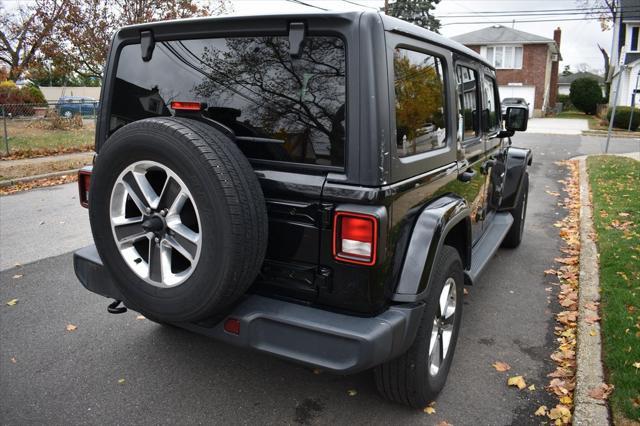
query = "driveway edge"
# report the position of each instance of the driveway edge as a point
(589, 371)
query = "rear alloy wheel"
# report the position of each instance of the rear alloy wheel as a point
(158, 233)
(416, 377)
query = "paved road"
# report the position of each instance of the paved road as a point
(174, 377)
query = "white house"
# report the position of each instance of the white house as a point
(625, 57)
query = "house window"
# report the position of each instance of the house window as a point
(420, 102)
(505, 57)
(633, 45)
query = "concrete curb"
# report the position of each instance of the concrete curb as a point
(27, 179)
(589, 373)
(613, 135)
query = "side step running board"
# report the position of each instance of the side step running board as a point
(484, 249)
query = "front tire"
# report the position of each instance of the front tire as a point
(416, 377)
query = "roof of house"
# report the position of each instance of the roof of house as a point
(630, 10)
(568, 79)
(500, 34)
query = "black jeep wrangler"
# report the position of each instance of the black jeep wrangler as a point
(319, 187)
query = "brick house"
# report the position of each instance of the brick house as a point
(526, 64)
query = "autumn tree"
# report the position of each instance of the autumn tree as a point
(26, 33)
(418, 12)
(90, 24)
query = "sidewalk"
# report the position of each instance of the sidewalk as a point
(557, 126)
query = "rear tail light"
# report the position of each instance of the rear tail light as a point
(355, 238)
(186, 106)
(84, 182)
(232, 325)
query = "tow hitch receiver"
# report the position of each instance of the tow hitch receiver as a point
(114, 307)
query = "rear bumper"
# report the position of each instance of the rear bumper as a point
(315, 337)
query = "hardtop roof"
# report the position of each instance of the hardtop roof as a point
(388, 24)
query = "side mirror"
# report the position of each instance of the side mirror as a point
(516, 119)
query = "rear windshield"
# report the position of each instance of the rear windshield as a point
(281, 108)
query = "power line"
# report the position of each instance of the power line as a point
(520, 21)
(307, 4)
(361, 5)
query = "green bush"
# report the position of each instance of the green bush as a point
(623, 115)
(585, 94)
(32, 94)
(566, 102)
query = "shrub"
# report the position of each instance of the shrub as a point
(623, 115)
(565, 100)
(32, 94)
(585, 95)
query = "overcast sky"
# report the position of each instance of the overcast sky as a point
(580, 38)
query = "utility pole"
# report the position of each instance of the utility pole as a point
(386, 7)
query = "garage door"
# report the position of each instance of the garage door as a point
(526, 92)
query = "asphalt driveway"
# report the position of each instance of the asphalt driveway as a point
(116, 369)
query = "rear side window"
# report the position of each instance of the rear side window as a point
(467, 82)
(420, 102)
(490, 108)
(284, 109)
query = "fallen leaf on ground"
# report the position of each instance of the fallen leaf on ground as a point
(517, 381)
(592, 332)
(636, 365)
(532, 387)
(551, 272)
(71, 327)
(601, 392)
(501, 366)
(16, 276)
(141, 317)
(592, 306)
(592, 319)
(560, 412)
(541, 411)
(12, 302)
(555, 194)
(352, 392)
(121, 381)
(13, 359)
(429, 408)
(444, 423)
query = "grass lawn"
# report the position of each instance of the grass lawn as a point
(594, 122)
(26, 139)
(615, 185)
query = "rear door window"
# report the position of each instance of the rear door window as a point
(420, 102)
(282, 109)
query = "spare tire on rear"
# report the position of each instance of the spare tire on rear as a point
(178, 217)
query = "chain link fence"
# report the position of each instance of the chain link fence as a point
(49, 126)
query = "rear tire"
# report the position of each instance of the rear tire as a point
(178, 218)
(412, 379)
(519, 213)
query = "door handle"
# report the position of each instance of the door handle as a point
(467, 175)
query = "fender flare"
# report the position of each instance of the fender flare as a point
(427, 237)
(518, 159)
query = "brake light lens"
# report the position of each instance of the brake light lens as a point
(186, 106)
(232, 325)
(355, 238)
(84, 182)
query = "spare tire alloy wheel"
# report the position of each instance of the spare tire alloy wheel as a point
(158, 233)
